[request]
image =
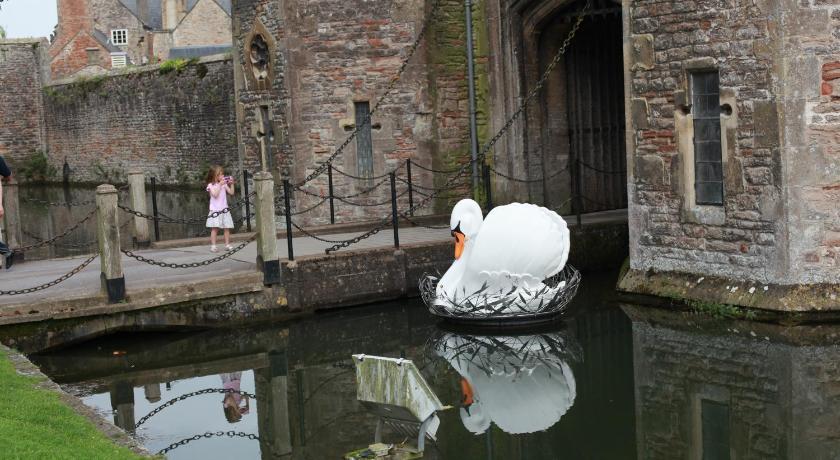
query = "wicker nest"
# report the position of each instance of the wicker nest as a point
(521, 305)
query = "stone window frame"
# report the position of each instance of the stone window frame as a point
(119, 37)
(259, 30)
(684, 132)
(364, 158)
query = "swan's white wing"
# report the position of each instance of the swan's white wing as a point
(520, 240)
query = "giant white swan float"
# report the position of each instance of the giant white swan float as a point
(510, 265)
(523, 384)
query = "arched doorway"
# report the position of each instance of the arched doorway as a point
(574, 135)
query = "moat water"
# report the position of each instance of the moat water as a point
(607, 381)
(49, 210)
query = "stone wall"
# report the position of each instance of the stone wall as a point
(173, 125)
(21, 103)
(779, 215)
(338, 55)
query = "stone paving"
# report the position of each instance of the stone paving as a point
(140, 276)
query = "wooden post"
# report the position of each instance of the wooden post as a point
(137, 193)
(487, 187)
(12, 230)
(108, 235)
(267, 259)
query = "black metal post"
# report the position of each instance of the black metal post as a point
(488, 193)
(332, 206)
(155, 209)
(410, 188)
(287, 192)
(578, 195)
(394, 219)
(247, 200)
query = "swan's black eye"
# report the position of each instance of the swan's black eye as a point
(456, 229)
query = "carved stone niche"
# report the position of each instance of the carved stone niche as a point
(259, 53)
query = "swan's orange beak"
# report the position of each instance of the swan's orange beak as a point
(459, 243)
(467, 391)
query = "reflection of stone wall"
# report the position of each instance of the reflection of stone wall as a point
(782, 398)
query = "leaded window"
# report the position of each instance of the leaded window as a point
(708, 165)
(364, 142)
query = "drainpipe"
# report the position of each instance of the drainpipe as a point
(471, 95)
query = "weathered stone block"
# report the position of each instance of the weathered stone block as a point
(766, 124)
(639, 113)
(650, 169)
(642, 52)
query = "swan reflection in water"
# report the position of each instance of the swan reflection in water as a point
(522, 383)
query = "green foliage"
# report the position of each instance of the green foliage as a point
(176, 65)
(37, 168)
(36, 424)
(720, 310)
(201, 70)
(2, 32)
(106, 175)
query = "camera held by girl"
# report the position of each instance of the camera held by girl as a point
(219, 187)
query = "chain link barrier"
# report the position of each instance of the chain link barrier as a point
(388, 90)
(190, 264)
(57, 237)
(280, 211)
(527, 181)
(63, 204)
(345, 174)
(85, 245)
(184, 396)
(489, 145)
(207, 435)
(602, 171)
(53, 282)
(382, 203)
(418, 224)
(435, 171)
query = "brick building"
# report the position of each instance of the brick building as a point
(96, 35)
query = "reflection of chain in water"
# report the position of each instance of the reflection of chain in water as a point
(173, 401)
(208, 435)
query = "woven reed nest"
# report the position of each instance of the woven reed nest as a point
(520, 306)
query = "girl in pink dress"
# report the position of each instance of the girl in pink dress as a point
(219, 187)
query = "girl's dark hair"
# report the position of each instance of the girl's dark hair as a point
(212, 173)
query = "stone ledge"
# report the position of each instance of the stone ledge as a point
(137, 299)
(25, 367)
(816, 301)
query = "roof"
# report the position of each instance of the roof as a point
(154, 10)
(153, 13)
(224, 4)
(197, 51)
(103, 40)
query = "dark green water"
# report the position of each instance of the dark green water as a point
(609, 381)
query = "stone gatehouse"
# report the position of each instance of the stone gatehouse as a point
(733, 121)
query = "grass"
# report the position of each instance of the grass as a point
(720, 310)
(35, 424)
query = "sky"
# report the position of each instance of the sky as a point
(28, 18)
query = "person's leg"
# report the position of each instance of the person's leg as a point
(213, 232)
(227, 237)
